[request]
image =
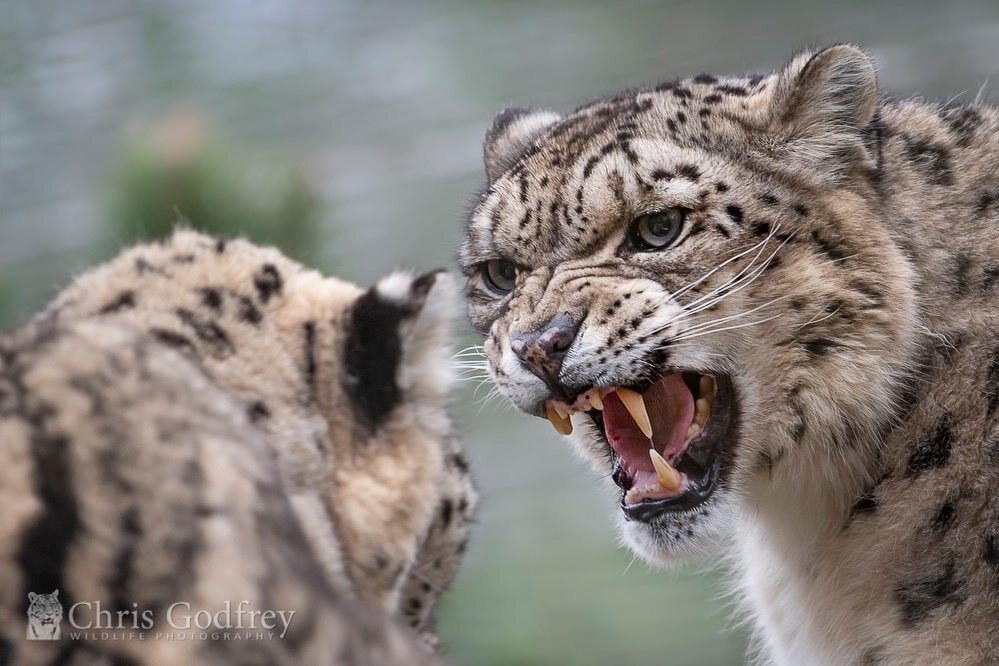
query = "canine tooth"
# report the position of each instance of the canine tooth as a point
(693, 430)
(596, 401)
(707, 386)
(562, 424)
(635, 404)
(702, 410)
(669, 478)
(561, 410)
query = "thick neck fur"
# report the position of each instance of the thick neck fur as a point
(822, 577)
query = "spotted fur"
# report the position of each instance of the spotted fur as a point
(201, 421)
(859, 510)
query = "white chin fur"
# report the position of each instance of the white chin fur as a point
(641, 540)
(654, 546)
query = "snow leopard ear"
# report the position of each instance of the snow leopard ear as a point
(511, 132)
(32, 597)
(821, 105)
(398, 344)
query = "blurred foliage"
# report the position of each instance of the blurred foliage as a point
(177, 174)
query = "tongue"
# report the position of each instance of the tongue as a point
(671, 411)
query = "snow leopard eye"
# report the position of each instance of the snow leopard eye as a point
(500, 275)
(655, 231)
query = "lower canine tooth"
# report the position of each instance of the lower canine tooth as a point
(693, 430)
(703, 410)
(635, 404)
(669, 477)
(561, 423)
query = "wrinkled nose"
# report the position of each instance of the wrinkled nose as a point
(542, 351)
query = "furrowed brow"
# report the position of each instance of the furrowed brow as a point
(478, 245)
(474, 250)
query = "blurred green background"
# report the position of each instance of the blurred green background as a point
(348, 132)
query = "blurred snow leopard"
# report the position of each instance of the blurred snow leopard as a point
(203, 420)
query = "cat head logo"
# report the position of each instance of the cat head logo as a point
(44, 617)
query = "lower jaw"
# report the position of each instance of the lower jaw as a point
(691, 498)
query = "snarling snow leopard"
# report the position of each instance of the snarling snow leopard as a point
(206, 422)
(766, 307)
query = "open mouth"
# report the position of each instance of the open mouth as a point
(667, 439)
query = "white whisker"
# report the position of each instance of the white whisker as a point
(816, 319)
(721, 320)
(745, 281)
(748, 268)
(728, 328)
(717, 268)
(630, 564)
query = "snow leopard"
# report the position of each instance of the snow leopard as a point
(205, 421)
(765, 307)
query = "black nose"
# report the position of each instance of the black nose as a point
(542, 351)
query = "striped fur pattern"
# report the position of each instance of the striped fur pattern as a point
(202, 420)
(838, 262)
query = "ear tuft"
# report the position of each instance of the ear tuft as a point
(397, 344)
(415, 294)
(821, 105)
(511, 132)
(424, 283)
